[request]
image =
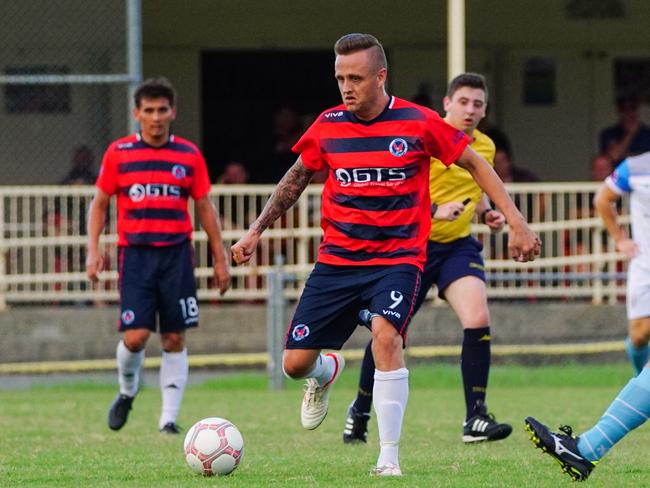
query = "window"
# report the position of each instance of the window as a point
(37, 98)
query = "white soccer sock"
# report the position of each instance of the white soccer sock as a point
(128, 369)
(323, 369)
(174, 370)
(390, 395)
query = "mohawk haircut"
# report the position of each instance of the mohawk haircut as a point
(352, 43)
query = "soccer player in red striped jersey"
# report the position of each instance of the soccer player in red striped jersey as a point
(375, 220)
(153, 173)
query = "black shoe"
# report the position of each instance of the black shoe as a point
(356, 427)
(562, 447)
(119, 411)
(482, 426)
(170, 428)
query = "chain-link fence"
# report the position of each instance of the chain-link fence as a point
(64, 83)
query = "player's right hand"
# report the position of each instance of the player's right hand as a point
(221, 276)
(94, 265)
(449, 211)
(244, 248)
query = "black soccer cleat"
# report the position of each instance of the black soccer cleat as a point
(561, 447)
(356, 427)
(482, 426)
(170, 428)
(119, 411)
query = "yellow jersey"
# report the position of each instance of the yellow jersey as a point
(455, 184)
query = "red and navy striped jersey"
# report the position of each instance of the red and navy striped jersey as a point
(153, 185)
(375, 204)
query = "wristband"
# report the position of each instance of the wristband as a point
(434, 208)
(484, 213)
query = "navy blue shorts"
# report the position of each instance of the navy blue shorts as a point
(327, 313)
(158, 279)
(447, 262)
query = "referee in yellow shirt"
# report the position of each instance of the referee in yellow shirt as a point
(455, 266)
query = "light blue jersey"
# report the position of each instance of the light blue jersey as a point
(633, 176)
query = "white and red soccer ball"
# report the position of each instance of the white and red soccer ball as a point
(213, 446)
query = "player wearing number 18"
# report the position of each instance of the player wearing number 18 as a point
(153, 173)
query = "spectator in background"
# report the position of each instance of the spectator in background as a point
(628, 137)
(82, 171)
(509, 173)
(601, 167)
(503, 160)
(235, 173)
(233, 211)
(68, 217)
(423, 95)
(285, 130)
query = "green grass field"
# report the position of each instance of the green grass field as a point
(57, 435)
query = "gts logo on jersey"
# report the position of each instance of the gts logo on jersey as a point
(137, 192)
(362, 176)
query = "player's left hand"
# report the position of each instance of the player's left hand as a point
(221, 274)
(523, 243)
(495, 220)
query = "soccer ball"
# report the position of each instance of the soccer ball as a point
(213, 446)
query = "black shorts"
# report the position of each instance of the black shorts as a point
(327, 313)
(157, 281)
(447, 262)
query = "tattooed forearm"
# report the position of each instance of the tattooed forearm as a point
(285, 195)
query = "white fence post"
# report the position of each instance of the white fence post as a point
(599, 266)
(3, 255)
(275, 323)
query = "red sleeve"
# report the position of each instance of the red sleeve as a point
(309, 148)
(107, 179)
(444, 141)
(201, 181)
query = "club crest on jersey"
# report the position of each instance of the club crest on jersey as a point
(179, 172)
(128, 316)
(398, 147)
(299, 332)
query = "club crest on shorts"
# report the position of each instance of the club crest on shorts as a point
(299, 332)
(398, 147)
(179, 172)
(128, 316)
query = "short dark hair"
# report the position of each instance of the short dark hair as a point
(472, 80)
(351, 43)
(627, 101)
(500, 139)
(155, 88)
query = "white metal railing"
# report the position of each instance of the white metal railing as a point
(42, 240)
